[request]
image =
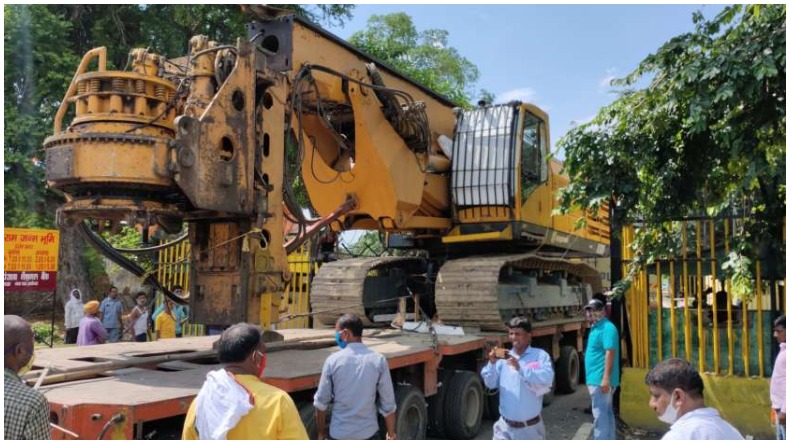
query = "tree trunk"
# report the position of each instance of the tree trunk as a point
(72, 267)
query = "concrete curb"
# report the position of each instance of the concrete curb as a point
(584, 432)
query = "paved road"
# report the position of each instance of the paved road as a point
(564, 417)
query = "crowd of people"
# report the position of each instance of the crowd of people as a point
(99, 322)
(234, 402)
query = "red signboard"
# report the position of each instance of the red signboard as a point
(30, 259)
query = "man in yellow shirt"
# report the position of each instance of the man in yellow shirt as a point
(165, 324)
(234, 403)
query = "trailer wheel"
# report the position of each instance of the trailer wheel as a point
(567, 378)
(548, 398)
(436, 403)
(491, 405)
(464, 405)
(412, 414)
(307, 413)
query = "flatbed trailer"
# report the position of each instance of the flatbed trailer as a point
(143, 390)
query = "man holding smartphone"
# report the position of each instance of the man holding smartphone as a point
(522, 375)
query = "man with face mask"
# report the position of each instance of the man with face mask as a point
(676, 397)
(602, 369)
(351, 378)
(234, 403)
(26, 411)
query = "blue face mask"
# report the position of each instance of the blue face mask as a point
(340, 342)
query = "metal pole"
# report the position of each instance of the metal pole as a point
(52, 323)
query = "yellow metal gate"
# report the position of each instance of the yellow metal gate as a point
(173, 270)
(683, 307)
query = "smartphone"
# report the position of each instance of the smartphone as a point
(501, 353)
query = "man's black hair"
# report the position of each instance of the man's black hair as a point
(675, 373)
(520, 322)
(601, 297)
(238, 342)
(177, 287)
(352, 323)
(141, 293)
(780, 321)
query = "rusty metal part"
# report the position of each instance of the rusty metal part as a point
(294, 244)
(114, 209)
(470, 291)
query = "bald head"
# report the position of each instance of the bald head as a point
(18, 346)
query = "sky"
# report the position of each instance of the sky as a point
(559, 57)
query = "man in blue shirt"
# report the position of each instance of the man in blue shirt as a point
(522, 377)
(351, 378)
(111, 309)
(602, 369)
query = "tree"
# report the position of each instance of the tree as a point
(37, 72)
(705, 137)
(425, 56)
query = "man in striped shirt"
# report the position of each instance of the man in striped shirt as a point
(26, 411)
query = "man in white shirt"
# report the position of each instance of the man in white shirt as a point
(676, 396)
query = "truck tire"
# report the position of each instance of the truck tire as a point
(411, 418)
(307, 413)
(567, 376)
(491, 405)
(436, 403)
(463, 411)
(548, 398)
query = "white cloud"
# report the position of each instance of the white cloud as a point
(522, 94)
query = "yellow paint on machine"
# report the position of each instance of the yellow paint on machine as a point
(743, 402)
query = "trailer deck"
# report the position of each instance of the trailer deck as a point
(145, 391)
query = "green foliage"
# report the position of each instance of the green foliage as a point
(487, 96)
(130, 238)
(43, 333)
(423, 55)
(37, 71)
(335, 15)
(705, 137)
(738, 267)
(368, 245)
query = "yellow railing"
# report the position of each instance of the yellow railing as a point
(173, 270)
(296, 299)
(676, 306)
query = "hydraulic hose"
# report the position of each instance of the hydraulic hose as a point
(114, 255)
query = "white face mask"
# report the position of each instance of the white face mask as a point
(670, 415)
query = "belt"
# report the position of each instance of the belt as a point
(521, 424)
